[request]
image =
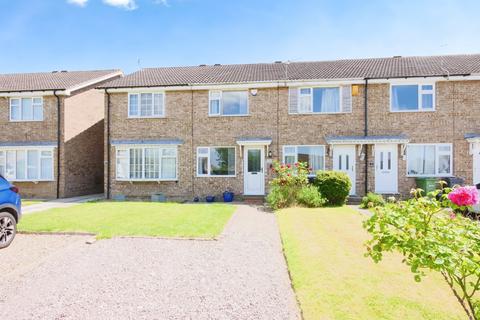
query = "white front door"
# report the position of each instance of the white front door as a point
(476, 163)
(253, 170)
(344, 160)
(386, 168)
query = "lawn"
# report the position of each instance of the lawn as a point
(110, 219)
(333, 279)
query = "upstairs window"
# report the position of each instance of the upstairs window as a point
(319, 100)
(228, 103)
(429, 159)
(412, 97)
(146, 105)
(313, 155)
(26, 109)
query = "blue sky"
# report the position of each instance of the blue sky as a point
(127, 34)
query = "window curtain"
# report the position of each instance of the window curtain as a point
(330, 100)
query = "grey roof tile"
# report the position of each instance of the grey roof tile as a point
(62, 80)
(314, 70)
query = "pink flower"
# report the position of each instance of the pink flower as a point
(289, 165)
(464, 196)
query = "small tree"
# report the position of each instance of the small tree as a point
(431, 236)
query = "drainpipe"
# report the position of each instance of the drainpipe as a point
(59, 135)
(193, 157)
(365, 131)
(108, 143)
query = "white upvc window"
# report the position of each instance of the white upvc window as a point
(27, 164)
(26, 109)
(411, 97)
(146, 105)
(228, 103)
(314, 155)
(429, 160)
(216, 161)
(146, 163)
(319, 100)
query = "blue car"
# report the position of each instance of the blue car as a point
(10, 212)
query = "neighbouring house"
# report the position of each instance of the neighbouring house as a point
(51, 141)
(202, 130)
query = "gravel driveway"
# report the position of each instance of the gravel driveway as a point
(241, 276)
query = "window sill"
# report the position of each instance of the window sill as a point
(429, 176)
(317, 113)
(215, 176)
(156, 117)
(411, 111)
(146, 180)
(33, 181)
(227, 115)
(26, 120)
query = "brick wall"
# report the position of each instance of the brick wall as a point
(268, 117)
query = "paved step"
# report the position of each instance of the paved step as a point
(258, 200)
(354, 200)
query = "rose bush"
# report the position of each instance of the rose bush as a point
(430, 236)
(290, 186)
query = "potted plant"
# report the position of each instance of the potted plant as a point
(228, 196)
(210, 198)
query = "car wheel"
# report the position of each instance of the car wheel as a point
(8, 229)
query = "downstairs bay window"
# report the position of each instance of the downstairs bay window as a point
(313, 155)
(216, 161)
(429, 160)
(146, 163)
(26, 164)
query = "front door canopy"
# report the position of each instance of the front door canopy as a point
(360, 140)
(254, 141)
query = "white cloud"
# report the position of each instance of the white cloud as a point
(124, 4)
(162, 2)
(80, 3)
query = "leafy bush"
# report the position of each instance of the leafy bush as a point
(310, 197)
(431, 236)
(334, 186)
(372, 200)
(286, 185)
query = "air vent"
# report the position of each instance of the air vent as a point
(202, 65)
(217, 64)
(278, 61)
(396, 57)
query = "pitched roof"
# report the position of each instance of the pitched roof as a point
(62, 80)
(315, 70)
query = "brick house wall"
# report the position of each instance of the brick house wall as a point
(187, 119)
(40, 131)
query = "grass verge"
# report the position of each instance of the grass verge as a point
(333, 280)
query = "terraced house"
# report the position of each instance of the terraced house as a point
(51, 141)
(201, 130)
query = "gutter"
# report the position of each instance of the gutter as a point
(108, 144)
(59, 134)
(365, 131)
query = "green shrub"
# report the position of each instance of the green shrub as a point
(372, 200)
(280, 197)
(334, 186)
(310, 197)
(289, 180)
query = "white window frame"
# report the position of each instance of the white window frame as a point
(437, 155)
(127, 148)
(299, 96)
(219, 93)
(3, 163)
(21, 109)
(152, 116)
(419, 84)
(209, 166)
(284, 154)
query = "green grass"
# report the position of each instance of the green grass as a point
(110, 219)
(26, 203)
(333, 279)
